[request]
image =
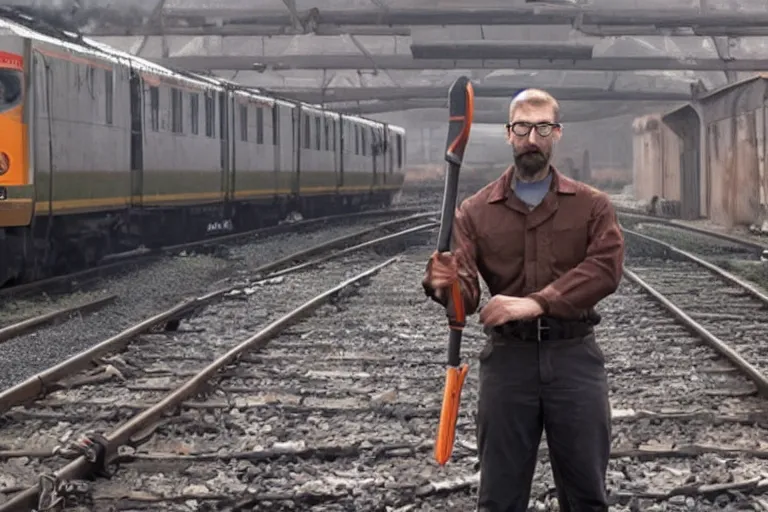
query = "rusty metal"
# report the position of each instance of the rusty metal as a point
(709, 266)
(81, 467)
(686, 124)
(656, 161)
(37, 384)
(761, 382)
(13, 330)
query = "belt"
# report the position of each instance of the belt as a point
(545, 328)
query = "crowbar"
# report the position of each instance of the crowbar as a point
(461, 107)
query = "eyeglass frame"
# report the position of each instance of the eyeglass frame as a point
(532, 126)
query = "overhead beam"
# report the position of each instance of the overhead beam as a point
(482, 16)
(500, 50)
(245, 30)
(436, 110)
(108, 21)
(496, 109)
(337, 94)
(406, 62)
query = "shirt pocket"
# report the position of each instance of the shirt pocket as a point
(569, 242)
(501, 243)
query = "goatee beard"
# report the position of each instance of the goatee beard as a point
(528, 164)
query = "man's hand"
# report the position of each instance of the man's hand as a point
(444, 270)
(502, 309)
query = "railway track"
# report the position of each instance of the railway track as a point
(30, 344)
(162, 365)
(338, 412)
(116, 263)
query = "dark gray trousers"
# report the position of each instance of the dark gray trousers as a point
(559, 386)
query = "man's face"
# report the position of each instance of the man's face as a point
(532, 150)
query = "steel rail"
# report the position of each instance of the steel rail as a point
(755, 375)
(335, 242)
(16, 329)
(756, 293)
(81, 467)
(669, 221)
(115, 262)
(37, 385)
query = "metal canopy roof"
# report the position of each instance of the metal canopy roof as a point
(375, 56)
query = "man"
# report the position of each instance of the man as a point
(549, 248)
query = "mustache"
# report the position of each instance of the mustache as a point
(530, 151)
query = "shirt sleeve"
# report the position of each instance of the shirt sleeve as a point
(464, 247)
(594, 278)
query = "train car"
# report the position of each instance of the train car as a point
(103, 152)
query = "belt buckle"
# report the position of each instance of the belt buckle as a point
(539, 328)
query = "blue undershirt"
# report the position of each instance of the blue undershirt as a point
(532, 193)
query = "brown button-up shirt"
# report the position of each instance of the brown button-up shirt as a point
(567, 253)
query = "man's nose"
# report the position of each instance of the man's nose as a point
(533, 136)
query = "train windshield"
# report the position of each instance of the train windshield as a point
(10, 89)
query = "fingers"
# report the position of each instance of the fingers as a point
(494, 313)
(444, 270)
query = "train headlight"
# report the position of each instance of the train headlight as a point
(5, 163)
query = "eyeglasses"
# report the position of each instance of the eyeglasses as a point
(522, 129)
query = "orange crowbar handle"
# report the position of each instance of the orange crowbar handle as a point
(461, 105)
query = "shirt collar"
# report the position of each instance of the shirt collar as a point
(500, 189)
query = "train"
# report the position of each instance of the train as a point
(103, 153)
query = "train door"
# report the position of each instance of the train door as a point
(276, 148)
(232, 146)
(370, 143)
(224, 138)
(341, 128)
(135, 86)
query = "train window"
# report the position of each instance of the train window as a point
(357, 140)
(327, 130)
(306, 132)
(275, 125)
(259, 125)
(176, 111)
(109, 92)
(154, 108)
(194, 113)
(363, 140)
(399, 140)
(244, 123)
(318, 131)
(11, 90)
(333, 135)
(210, 115)
(89, 79)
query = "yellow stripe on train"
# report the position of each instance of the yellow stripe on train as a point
(44, 207)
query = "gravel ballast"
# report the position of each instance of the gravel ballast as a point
(339, 413)
(142, 293)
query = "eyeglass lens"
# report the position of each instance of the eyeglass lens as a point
(523, 129)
